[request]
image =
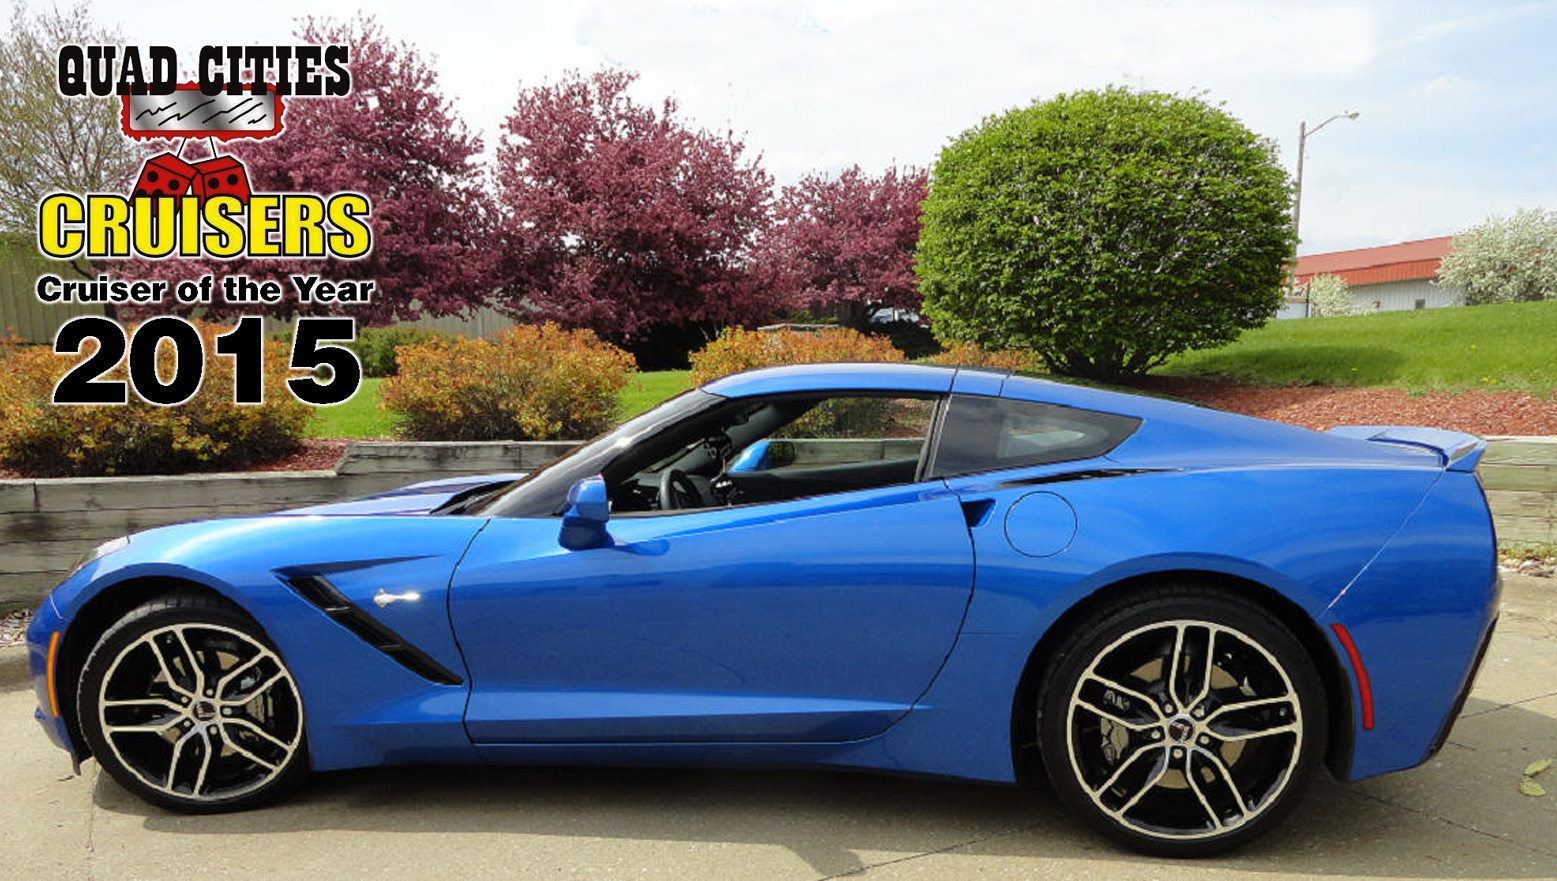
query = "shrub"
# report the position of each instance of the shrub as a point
(1504, 259)
(972, 355)
(1330, 295)
(1105, 231)
(206, 433)
(376, 346)
(533, 382)
(737, 349)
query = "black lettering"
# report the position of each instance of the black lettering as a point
(72, 71)
(335, 59)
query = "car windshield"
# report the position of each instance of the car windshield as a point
(542, 492)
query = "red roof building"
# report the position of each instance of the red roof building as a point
(1406, 261)
(1382, 279)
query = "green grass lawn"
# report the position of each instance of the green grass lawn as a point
(358, 417)
(1512, 346)
(645, 390)
(361, 417)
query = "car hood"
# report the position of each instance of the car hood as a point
(415, 498)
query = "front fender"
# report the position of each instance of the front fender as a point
(361, 705)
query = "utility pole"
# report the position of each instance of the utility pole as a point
(1297, 194)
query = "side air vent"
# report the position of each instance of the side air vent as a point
(320, 592)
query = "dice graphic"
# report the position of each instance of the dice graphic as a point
(164, 175)
(221, 176)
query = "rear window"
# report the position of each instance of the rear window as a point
(993, 434)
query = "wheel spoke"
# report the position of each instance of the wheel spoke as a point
(1123, 766)
(1230, 737)
(167, 670)
(1113, 717)
(254, 692)
(146, 702)
(1194, 784)
(1284, 700)
(1205, 676)
(207, 753)
(252, 728)
(1227, 779)
(178, 753)
(241, 750)
(1175, 661)
(194, 661)
(236, 671)
(1129, 692)
(1158, 773)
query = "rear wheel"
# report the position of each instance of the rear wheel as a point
(188, 705)
(1182, 722)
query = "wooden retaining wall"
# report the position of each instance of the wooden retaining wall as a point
(1519, 475)
(46, 524)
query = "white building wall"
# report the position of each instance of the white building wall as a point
(1396, 296)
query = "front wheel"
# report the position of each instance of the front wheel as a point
(187, 704)
(1183, 722)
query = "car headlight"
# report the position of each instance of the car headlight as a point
(102, 550)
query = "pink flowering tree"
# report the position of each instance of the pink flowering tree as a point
(620, 217)
(845, 245)
(396, 139)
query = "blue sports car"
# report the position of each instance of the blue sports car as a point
(1179, 615)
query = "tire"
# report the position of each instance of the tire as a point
(1219, 764)
(165, 731)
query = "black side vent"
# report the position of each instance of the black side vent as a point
(316, 590)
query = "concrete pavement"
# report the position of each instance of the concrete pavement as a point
(1459, 816)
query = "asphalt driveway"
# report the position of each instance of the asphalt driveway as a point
(1461, 815)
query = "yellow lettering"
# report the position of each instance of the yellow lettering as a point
(352, 237)
(55, 215)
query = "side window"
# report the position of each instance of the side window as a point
(991, 434)
(835, 444)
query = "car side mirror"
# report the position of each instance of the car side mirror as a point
(762, 456)
(584, 519)
(781, 453)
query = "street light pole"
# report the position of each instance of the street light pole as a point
(1297, 192)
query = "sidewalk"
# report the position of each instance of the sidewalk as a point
(1460, 815)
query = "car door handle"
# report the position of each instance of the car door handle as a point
(974, 511)
(384, 597)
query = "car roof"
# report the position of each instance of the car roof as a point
(834, 377)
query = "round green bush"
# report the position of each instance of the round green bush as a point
(1105, 231)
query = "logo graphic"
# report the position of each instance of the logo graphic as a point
(190, 113)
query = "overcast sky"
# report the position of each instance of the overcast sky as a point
(1458, 100)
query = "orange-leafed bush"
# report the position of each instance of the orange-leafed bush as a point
(972, 355)
(534, 382)
(209, 432)
(736, 350)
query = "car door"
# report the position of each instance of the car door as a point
(817, 619)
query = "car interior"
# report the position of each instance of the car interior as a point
(690, 466)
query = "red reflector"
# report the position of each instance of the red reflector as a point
(1364, 690)
(48, 672)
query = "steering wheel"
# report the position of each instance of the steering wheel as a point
(678, 491)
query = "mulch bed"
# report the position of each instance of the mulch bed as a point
(1321, 407)
(316, 455)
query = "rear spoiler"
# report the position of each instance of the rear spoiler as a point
(1456, 450)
